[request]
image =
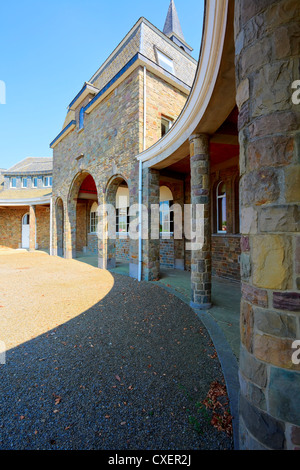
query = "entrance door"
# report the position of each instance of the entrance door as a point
(25, 231)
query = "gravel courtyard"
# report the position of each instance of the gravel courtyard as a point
(100, 361)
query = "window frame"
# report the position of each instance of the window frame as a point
(23, 182)
(164, 61)
(94, 219)
(49, 178)
(170, 220)
(125, 216)
(13, 178)
(170, 124)
(218, 197)
(33, 182)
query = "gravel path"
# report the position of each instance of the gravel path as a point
(128, 371)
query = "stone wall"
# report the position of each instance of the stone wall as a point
(163, 99)
(226, 252)
(43, 227)
(123, 249)
(167, 253)
(267, 63)
(11, 227)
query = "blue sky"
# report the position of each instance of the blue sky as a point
(50, 48)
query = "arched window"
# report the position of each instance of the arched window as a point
(165, 214)
(221, 208)
(94, 218)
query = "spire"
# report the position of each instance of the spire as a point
(173, 30)
(172, 23)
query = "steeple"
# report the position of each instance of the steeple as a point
(172, 28)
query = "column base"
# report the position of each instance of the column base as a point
(197, 306)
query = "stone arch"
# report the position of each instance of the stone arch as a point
(116, 246)
(77, 214)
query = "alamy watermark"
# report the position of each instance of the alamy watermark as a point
(2, 92)
(2, 353)
(154, 223)
(296, 94)
(296, 354)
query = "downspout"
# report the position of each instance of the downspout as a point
(141, 179)
(51, 227)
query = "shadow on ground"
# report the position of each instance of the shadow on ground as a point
(128, 373)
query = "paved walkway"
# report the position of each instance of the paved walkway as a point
(226, 297)
(100, 361)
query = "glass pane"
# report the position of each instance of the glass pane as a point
(222, 225)
(222, 189)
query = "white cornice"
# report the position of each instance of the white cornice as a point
(206, 76)
(24, 202)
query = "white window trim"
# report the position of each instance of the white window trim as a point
(11, 180)
(47, 185)
(169, 62)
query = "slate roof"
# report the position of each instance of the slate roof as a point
(172, 23)
(32, 165)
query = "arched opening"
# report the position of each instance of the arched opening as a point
(118, 243)
(166, 228)
(82, 238)
(25, 230)
(59, 217)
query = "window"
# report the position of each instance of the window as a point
(13, 182)
(81, 118)
(166, 215)
(221, 208)
(122, 209)
(165, 61)
(94, 218)
(24, 182)
(48, 181)
(166, 124)
(26, 219)
(122, 223)
(35, 182)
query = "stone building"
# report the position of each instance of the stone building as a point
(153, 127)
(25, 199)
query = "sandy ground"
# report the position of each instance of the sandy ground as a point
(39, 292)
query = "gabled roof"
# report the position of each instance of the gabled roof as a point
(172, 23)
(32, 165)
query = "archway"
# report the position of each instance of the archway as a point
(81, 235)
(118, 242)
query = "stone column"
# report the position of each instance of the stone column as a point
(151, 245)
(200, 195)
(267, 63)
(32, 228)
(69, 230)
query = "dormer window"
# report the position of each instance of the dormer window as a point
(47, 181)
(24, 182)
(165, 62)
